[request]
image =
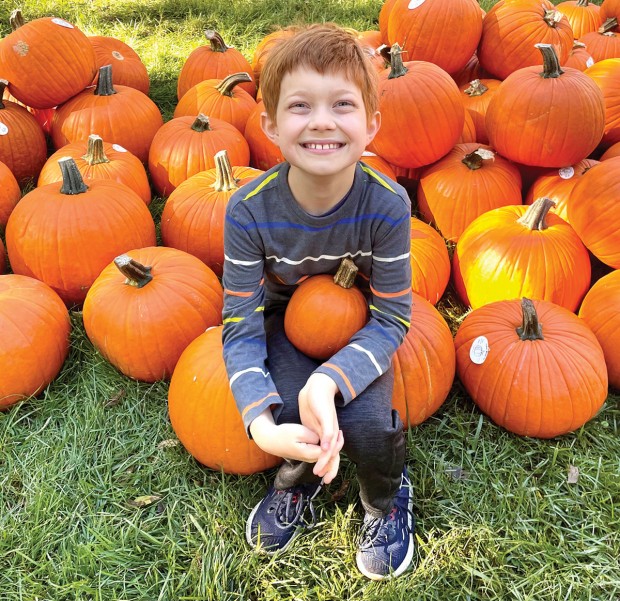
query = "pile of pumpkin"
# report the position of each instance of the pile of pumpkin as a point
(511, 149)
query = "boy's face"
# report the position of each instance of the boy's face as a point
(321, 125)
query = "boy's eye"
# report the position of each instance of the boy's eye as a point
(344, 103)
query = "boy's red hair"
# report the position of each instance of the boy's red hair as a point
(325, 48)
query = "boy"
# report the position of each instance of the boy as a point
(299, 219)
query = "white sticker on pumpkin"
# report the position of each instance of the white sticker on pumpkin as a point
(479, 350)
(415, 3)
(589, 62)
(119, 148)
(4, 130)
(566, 172)
(62, 23)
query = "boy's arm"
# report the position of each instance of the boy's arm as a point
(369, 352)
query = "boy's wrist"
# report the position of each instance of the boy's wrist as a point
(261, 424)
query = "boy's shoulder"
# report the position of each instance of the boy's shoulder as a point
(264, 182)
(383, 186)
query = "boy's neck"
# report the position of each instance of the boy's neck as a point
(319, 194)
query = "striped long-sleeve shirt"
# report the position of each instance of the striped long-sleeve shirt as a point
(271, 244)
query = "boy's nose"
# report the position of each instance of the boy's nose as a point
(321, 119)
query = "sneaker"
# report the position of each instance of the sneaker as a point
(280, 517)
(386, 543)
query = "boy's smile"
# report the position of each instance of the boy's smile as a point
(322, 130)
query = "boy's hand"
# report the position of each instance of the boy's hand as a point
(317, 411)
(291, 441)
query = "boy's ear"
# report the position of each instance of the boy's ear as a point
(372, 127)
(269, 127)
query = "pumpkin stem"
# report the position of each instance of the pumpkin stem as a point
(216, 41)
(610, 25)
(72, 182)
(397, 67)
(104, 82)
(201, 123)
(345, 276)
(226, 86)
(224, 179)
(95, 154)
(534, 216)
(583, 2)
(16, 20)
(551, 64)
(476, 88)
(3, 84)
(474, 159)
(137, 275)
(552, 17)
(531, 328)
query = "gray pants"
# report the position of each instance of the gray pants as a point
(373, 432)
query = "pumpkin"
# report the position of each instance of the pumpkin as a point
(215, 60)
(476, 96)
(119, 114)
(378, 164)
(43, 116)
(219, 98)
(610, 9)
(97, 159)
(606, 75)
(584, 16)
(266, 45)
(517, 251)
(430, 262)
(558, 184)
(424, 365)
(594, 211)
(10, 194)
(552, 118)
(264, 154)
(611, 152)
(442, 32)
(384, 19)
(35, 337)
(127, 66)
(194, 214)
(185, 146)
(47, 61)
(472, 70)
(533, 367)
(325, 311)
(470, 180)
(65, 233)
(23, 148)
(510, 31)
(146, 307)
(422, 113)
(203, 413)
(604, 42)
(579, 57)
(599, 310)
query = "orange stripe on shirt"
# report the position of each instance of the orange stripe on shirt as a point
(241, 294)
(389, 294)
(257, 403)
(346, 380)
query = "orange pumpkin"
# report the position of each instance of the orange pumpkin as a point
(424, 365)
(584, 16)
(35, 337)
(146, 307)
(203, 413)
(325, 311)
(606, 75)
(264, 154)
(476, 96)
(603, 43)
(579, 57)
(533, 367)
(517, 251)
(599, 310)
(65, 233)
(10, 194)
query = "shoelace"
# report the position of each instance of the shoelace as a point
(381, 529)
(291, 507)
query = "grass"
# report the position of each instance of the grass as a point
(497, 515)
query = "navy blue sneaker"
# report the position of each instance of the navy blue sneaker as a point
(280, 517)
(386, 543)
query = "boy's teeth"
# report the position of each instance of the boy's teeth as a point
(322, 146)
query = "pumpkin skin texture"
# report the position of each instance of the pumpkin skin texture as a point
(552, 118)
(468, 181)
(47, 61)
(583, 16)
(594, 211)
(579, 57)
(606, 75)
(203, 412)
(532, 386)
(264, 154)
(517, 251)
(168, 306)
(512, 27)
(97, 159)
(424, 365)
(599, 310)
(322, 315)
(443, 32)
(603, 44)
(10, 194)
(35, 337)
(476, 96)
(66, 238)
